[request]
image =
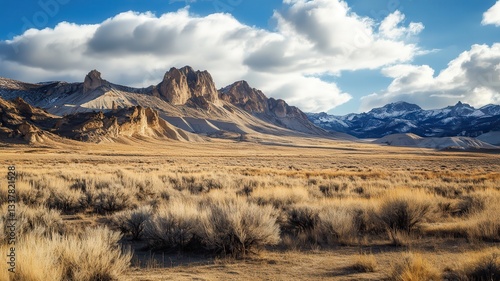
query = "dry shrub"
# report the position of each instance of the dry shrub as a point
(298, 225)
(486, 228)
(39, 220)
(469, 204)
(365, 263)
(484, 266)
(109, 200)
(337, 225)
(301, 219)
(67, 201)
(36, 260)
(195, 184)
(402, 211)
(173, 226)
(485, 224)
(29, 195)
(280, 196)
(132, 221)
(94, 255)
(236, 227)
(343, 222)
(414, 267)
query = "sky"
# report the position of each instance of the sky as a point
(320, 55)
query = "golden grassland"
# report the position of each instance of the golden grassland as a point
(305, 209)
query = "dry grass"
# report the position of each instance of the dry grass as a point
(132, 221)
(477, 266)
(173, 225)
(92, 255)
(365, 263)
(235, 199)
(31, 220)
(236, 227)
(413, 267)
(402, 211)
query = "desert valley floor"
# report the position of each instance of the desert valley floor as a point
(312, 180)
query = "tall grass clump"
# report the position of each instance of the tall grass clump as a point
(93, 255)
(413, 267)
(485, 224)
(484, 266)
(236, 227)
(365, 263)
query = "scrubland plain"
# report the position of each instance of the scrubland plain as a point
(302, 210)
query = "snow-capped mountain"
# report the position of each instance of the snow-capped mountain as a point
(402, 117)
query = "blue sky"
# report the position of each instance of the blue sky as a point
(290, 48)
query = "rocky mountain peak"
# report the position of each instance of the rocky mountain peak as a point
(397, 107)
(244, 96)
(281, 109)
(93, 81)
(462, 105)
(186, 86)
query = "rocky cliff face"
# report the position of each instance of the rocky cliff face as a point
(242, 95)
(98, 127)
(186, 86)
(93, 81)
(282, 110)
(21, 121)
(273, 110)
(254, 101)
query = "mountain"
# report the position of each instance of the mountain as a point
(186, 102)
(271, 110)
(443, 143)
(401, 117)
(23, 123)
(492, 137)
(186, 86)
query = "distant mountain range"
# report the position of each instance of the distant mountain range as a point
(402, 117)
(184, 106)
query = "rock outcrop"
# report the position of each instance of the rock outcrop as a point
(98, 127)
(246, 97)
(21, 121)
(276, 111)
(93, 81)
(186, 86)
(255, 101)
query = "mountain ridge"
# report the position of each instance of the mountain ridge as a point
(460, 119)
(185, 99)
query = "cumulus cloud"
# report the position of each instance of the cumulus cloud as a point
(473, 77)
(311, 38)
(390, 26)
(492, 16)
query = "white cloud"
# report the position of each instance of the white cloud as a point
(473, 77)
(311, 38)
(492, 16)
(390, 27)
